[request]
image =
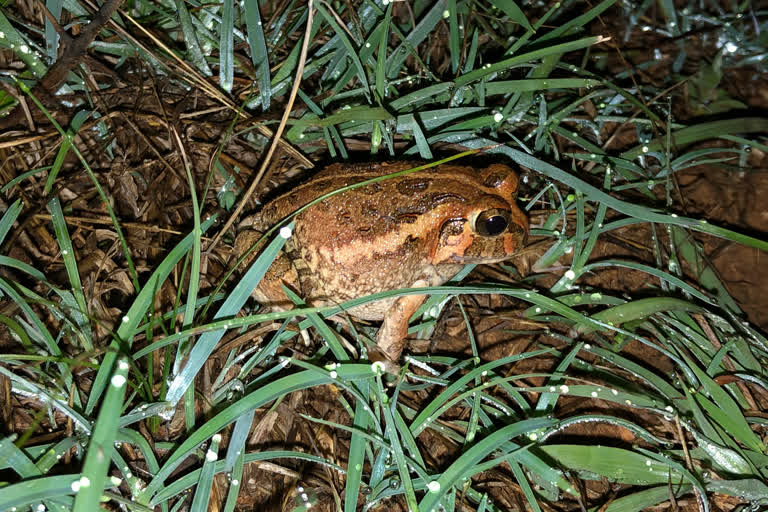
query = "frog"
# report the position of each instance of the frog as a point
(414, 230)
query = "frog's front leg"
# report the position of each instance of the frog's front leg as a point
(394, 330)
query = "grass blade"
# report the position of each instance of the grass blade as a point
(136, 313)
(259, 54)
(227, 46)
(233, 303)
(263, 395)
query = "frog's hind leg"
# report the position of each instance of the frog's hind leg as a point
(269, 291)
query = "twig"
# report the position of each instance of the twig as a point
(74, 50)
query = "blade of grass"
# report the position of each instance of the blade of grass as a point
(259, 53)
(12, 39)
(70, 263)
(427, 24)
(453, 36)
(194, 51)
(579, 21)
(226, 45)
(700, 132)
(351, 51)
(29, 492)
(505, 64)
(513, 11)
(616, 464)
(136, 313)
(463, 466)
(263, 395)
(51, 36)
(9, 217)
(231, 306)
(357, 446)
(203, 490)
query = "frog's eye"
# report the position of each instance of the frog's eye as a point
(492, 222)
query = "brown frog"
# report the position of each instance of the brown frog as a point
(409, 231)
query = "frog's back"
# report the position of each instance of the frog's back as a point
(390, 199)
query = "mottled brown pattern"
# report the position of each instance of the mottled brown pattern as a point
(412, 186)
(409, 231)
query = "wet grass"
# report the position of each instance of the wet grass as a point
(528, 87)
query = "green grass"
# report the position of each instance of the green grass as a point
(525, 84)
